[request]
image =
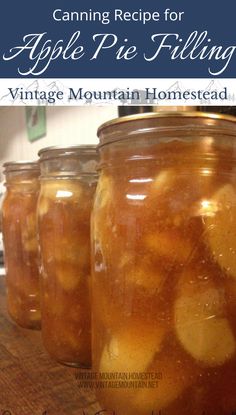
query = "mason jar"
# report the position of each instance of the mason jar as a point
(68, 181)
(164, 265)
(20, 242)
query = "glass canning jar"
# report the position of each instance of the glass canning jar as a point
(20, 242)
(68, 181)
(164, 264)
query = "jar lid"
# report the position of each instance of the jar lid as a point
(125, 127)
(21, 165)
(60, 151)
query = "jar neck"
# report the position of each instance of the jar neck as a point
(22, 181)
(68, 167)
(190, 149)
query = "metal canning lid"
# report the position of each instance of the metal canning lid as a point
(20, 165)
(165, 114)
(163, 120)
(60, 151)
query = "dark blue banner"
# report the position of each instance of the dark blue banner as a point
(118, 39)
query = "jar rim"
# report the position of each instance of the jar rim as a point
(164, 114)
(17, 165)
(67, 150)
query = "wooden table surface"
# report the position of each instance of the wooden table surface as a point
(31, 383)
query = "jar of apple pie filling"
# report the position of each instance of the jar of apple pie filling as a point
(20, 242)
(164, 265)
(68, 181)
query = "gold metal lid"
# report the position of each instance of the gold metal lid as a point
(165, 114)
(52, 151)
(21, 165)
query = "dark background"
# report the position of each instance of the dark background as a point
(18, 18)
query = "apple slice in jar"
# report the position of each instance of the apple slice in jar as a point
(132, 348)
(140, 349)
(174, 190)
(104, 192)
(169, 244)
(220, 227)
(140, 273)
(29, 233)
(175, 231)
(200, 323)
(68, 275)
(103, 229)
(58, 190)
